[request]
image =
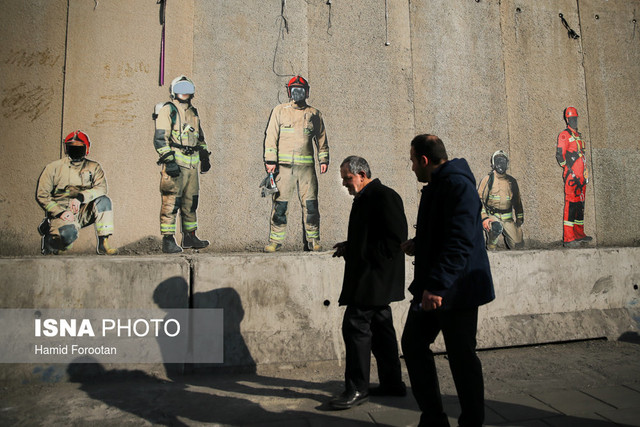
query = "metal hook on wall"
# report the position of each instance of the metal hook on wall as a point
(572, 34)
(386, 23)
(329, 22)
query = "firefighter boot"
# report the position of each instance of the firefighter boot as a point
(104, 248)
(51, 244)
(190, 240)
(314, 245)
(272, 247)
(169, 245)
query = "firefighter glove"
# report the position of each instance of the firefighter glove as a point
(205, 164)
(172, 169)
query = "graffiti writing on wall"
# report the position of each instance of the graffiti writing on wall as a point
(115, 110)
(22, 58)
(23, 101)
(124, 70)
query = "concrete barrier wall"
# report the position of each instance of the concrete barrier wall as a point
(283, 308)
(483, 75)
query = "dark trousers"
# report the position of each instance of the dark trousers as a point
(459, 331)
(366, 330)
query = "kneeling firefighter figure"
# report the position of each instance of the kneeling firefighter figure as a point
(570, 155)
(501, 199)
(180, 143)
(293, 129)
(73, 193)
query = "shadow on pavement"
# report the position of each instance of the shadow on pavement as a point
(222, 395)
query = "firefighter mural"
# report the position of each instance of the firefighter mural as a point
(570, 155)
(502, 211)
(293, 129)
(73, 193)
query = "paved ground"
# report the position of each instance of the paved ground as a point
(594, 383)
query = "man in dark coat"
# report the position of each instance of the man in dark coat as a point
(373, 277)
(451, 279)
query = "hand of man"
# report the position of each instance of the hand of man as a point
(519, 222)
(270, 168)
(409, 247)
(67, 216)
(486, 224)
(323, 168)
(430, 301)
(340, 249)
(74, 206)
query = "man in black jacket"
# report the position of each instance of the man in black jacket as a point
(451, 279)
(373, 277)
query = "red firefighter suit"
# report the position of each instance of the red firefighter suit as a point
(570, 155)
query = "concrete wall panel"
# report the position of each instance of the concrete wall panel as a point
(89, 283)
(612, 68)
(544, 75)
(32, 57)
(459, 78)
(112, 85)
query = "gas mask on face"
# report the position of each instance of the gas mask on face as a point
(573, 122)
(76, 152)
(298, 94)
(500, 164)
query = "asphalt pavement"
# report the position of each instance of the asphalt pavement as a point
(589, 383)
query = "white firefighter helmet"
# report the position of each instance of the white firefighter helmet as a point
(182, 85)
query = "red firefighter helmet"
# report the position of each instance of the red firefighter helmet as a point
(298, 81)
(78, 135)
(570, 112)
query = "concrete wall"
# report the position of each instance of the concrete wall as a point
(283, 309)
(483, 75)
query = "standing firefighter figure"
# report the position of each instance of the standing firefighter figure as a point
(293, 129)
(500, 198)
(73, 193)
(180, 143)
(570, 155)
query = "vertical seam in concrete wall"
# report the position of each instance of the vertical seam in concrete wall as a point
(413, 75)
(504, 73)
(192, 275)
(586, 96)
(64, 80)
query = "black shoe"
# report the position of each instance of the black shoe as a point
(571, 244)
(585, 239)
(349, 399)
(383, 390)
(169, 245)
(190, 240)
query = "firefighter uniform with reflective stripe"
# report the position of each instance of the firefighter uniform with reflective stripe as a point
(500, 197)
(292, 132)
(63, 180)
(570, 155)
(178, 130)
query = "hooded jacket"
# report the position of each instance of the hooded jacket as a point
(450, 257)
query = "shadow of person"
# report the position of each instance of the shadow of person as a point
(630, 336)
(172, 293)
(172, 403)
(237, 373)
(239, 361)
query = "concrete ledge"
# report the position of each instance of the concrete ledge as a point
(282, 308)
